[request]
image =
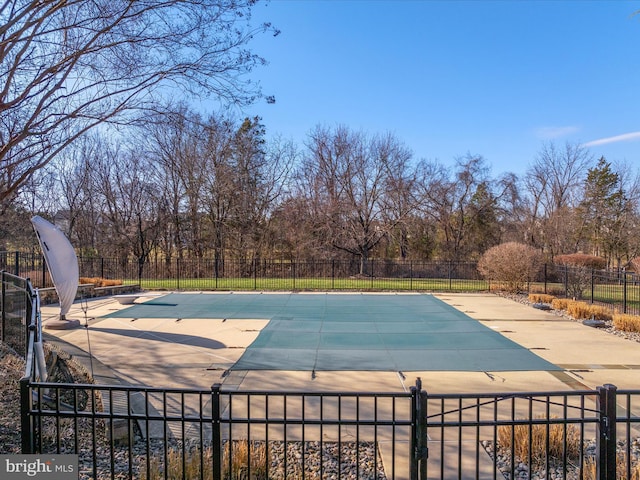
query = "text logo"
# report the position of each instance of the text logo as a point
(51, 467)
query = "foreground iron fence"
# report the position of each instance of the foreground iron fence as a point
(143, 432)
(147, 432)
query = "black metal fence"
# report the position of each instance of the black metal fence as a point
(146, 432)
(140, 432)
(16, 309)
(616, 289)
(209, 274)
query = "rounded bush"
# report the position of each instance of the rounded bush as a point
(512, 264)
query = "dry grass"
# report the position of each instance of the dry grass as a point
(590, 469)
(541, 298)
(11, 370)
(582, 310)
(532, 440)
(560, 303)
(553, 290)
(626, 322)
(100, 282)
(242, 453)
(175, 466)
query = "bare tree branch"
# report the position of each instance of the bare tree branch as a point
(67, 66)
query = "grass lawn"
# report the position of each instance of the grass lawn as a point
(375, 284)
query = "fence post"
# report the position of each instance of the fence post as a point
(333, 274)
(606, 430)
(545, 278)
(29, 306)
(215, 269)
(17, 264)
(216, 435)
(371, 273)
(3, 304)
(25, 418)
(255, 274)
(593, 281)
(411, 275)
(178, 273)
(419, 450)
(43, 270)
(624, 292)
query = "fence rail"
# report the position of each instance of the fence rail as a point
(616, 289)
(147, 432)
(16, 309)
(142, 432)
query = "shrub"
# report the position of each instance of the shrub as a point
(560, 303)
(554, 290)
(541, 298)
(513, 264)
(579, 275)
(626, 322)
(580, 260)
(533, 439)
(582, 310)
(591, 468)
(557, 291)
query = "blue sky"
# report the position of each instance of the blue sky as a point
(494, 78)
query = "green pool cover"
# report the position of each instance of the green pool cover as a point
(373, 332)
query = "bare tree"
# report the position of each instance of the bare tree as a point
(349, 179)
(553, 186)
(69, 66)
(464, 203)
(177, 147)
(77, 202)
(131, 204)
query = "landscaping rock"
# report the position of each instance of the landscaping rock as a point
(594, 323)
(541, 306)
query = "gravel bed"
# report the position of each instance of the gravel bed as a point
(556, 467)
(326, 460)
(11, 370)
(608, 325)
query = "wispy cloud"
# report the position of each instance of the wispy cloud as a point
(625, 137)
(548, 133)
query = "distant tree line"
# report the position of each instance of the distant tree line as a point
(187, 186)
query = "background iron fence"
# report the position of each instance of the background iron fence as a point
(618, 290)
